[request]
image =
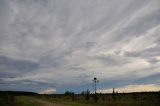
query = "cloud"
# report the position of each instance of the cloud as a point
(48, 91)
(149, 79)
(133, 88)
(64, 43)
(11, 68)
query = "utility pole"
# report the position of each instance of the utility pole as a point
(95, 81)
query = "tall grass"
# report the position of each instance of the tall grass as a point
(128, 99)
(6, 100)
(123, 99)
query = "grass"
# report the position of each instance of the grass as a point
(133, 99)
(6, 100)
(24, 101)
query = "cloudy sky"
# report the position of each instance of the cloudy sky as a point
(59, 45)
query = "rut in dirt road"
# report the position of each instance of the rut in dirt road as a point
(46, 103)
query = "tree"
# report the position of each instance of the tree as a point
(113, 95)
(87, 95)
(70, 94)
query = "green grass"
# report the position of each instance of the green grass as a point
(139, 99)
(6, 100)
(77, 104)
(24, 101)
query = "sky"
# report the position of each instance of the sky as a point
(50, 46)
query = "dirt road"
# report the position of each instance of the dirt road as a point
(32, 101)
(40, 102)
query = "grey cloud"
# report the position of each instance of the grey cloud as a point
(18, 64)
(145, 53)
(11, 67)
(149, 79)
(153, 60)
(53, 39)
(113, 60)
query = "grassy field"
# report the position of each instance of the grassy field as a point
(137, 99)
(15, 99)
(128, 99)
(24, 101)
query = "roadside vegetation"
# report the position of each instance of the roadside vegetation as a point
(113, 99)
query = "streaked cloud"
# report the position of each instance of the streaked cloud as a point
(61, 43)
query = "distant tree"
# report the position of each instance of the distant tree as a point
(113, 95)
(113, 91)
(83, 93)
(87, 95)
(70, 94)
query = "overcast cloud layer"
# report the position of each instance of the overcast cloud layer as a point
(63, 44)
